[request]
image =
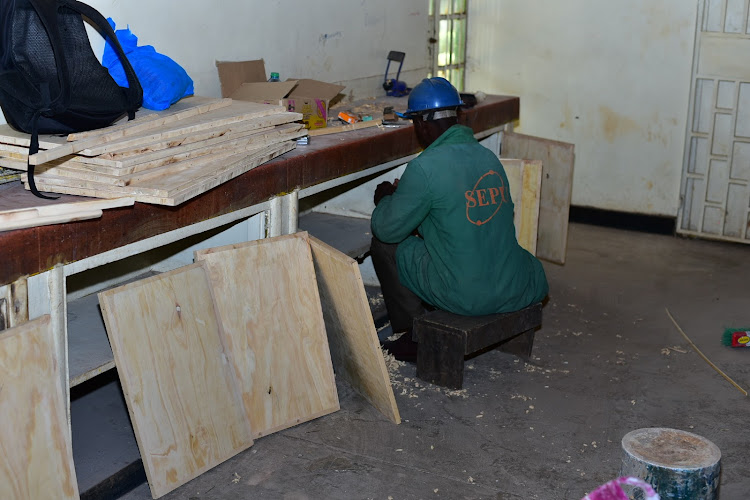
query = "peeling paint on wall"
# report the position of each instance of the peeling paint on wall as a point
(615, 125)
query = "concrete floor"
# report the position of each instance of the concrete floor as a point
(608, 360)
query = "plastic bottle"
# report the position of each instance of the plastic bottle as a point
(274, 77)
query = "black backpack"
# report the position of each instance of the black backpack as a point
(50, 80)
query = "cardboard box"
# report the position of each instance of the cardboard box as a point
(247, 81)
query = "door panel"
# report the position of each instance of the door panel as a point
(715, 190)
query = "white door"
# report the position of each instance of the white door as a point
(715, 189)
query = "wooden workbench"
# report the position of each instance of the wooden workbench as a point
(50, 255)
(34, 250)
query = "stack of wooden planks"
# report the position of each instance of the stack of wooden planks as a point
(163, 157)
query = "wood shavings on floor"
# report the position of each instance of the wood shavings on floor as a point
(410, 387)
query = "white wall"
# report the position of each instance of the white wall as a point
(612, 77)
(338, 41)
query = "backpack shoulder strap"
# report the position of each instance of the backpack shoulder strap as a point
(47, 12)
(134, 92)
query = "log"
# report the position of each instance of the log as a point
(676, 463)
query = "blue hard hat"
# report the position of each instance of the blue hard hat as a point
(432, 94)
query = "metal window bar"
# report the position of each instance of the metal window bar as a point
(452, 64)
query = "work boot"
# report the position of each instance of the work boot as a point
(403, 348)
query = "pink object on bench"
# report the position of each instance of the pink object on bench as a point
(612, 490)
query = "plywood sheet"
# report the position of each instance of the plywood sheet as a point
(190, 159)
(524, 179)
(148, 119)
(177, 185)
(20, 209)
(161, 152)
(36, 457)
(355, 349)
(558, 159)
(179, 390)
(144, 118)
(134, 136)
(266, 296)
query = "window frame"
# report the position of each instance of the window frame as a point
(451, 69)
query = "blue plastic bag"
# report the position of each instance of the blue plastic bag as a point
(164, 81)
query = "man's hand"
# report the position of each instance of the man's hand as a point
(384, 189)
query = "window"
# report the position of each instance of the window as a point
(448, 40)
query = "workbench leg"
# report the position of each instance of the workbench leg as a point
(283, 214)
(14, 309)
(18, 303)
(47, 295)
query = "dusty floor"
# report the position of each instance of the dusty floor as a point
(608, 360)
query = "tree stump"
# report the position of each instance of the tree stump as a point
(678, 464)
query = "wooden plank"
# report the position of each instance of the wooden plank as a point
(12, 163)
(11, 136)
(57, 213)
(129, 159)
(531, 182)
(145, 119)
(524, 179)
(119, 139)
(558, 160)
(355, 349)
(194, 159)
(207, 121)
(345, 128)
(236, 113)
(172, 190)
(180, 392)
(16, 197)
(37, 458)
(128, 156)
(266, 295)
(184, 108)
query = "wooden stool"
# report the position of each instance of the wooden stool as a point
(446, 338)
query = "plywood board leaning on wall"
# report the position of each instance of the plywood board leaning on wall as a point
(355, 349)
(266, 296)
(525, 179)
(37, 458)
(180, 392)
(558, 160)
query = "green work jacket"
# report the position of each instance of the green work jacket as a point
(467, 260)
